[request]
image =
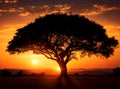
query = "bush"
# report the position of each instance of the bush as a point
(6, 72)
(116, 71)
(20, 73)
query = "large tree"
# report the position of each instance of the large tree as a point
(59, 36)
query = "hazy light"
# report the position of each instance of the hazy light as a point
(34, 61)
(58, 69)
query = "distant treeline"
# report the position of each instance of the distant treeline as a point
(107, 72)
(8, 72)
(116, 71)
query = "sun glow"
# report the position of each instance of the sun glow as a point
(58, 69)
(34, 61)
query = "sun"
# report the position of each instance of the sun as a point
(58, 69)
(34, 61)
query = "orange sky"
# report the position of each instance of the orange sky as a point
(16, 15)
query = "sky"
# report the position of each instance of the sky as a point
(15, 14)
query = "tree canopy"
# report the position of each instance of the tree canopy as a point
(60, 36)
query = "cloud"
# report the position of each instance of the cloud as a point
(46, 6)
(62, 8)
(19, 10)
(3, 10)
(10, 1)
(98, 9)
(24, 14)
(49, 9)
(11, 10)
(105, 8)
(36, 10)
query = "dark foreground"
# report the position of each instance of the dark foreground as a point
(53, 82)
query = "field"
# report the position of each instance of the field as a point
(54, 82)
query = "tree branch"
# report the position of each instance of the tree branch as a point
(48, 56)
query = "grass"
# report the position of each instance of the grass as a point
(54, 82)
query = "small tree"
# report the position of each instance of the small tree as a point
(59, 36)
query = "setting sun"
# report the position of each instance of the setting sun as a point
(58, 69)
(34, 61)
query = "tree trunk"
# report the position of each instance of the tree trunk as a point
(63, 68)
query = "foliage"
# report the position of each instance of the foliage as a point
(60, 36)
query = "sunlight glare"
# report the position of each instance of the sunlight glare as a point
(58, 69)
(34, 61)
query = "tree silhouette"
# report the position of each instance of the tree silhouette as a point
(20, 73)
(116, 71)
(5, 72)
(59, 36)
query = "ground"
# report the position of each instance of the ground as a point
(54, 82)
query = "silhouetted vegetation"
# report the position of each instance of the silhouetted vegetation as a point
(17, 73)
(20, 73)
(42, 74)
(59, 36)
(5, 72)
(116, 71)
(76, 74)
